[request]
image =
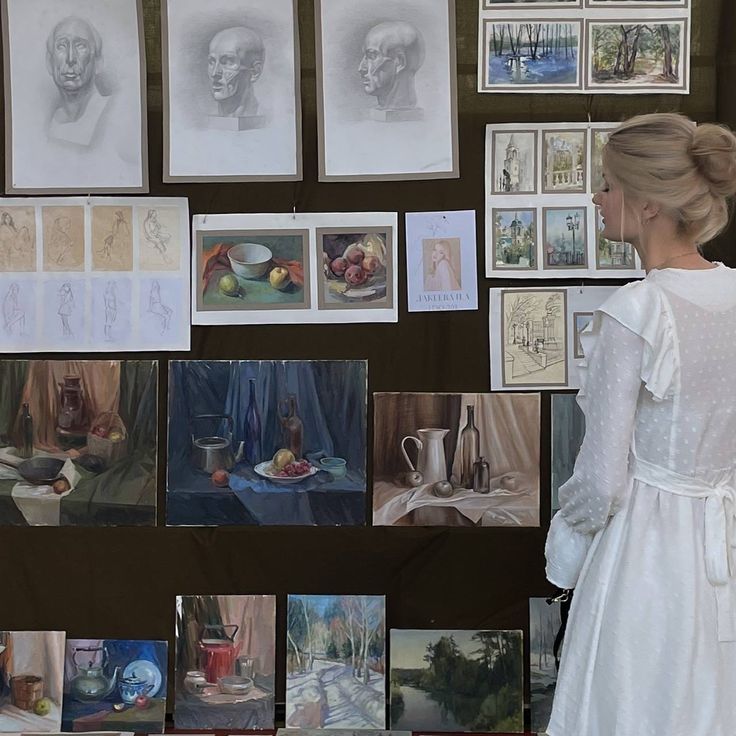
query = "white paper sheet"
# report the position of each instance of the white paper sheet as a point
(537, 176)
(526, 47)
(78, 128)
(103, 274)
(535, 348)
(309, 242)
(441, 258)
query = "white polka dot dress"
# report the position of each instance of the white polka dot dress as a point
(647, 522)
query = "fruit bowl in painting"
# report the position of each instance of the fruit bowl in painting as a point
(250, 260)
(267, 470)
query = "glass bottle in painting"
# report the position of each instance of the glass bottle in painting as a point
(293, 427)
(26, 423)
(252, 445)
(469, 448)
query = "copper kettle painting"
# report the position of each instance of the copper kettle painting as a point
(218, 650)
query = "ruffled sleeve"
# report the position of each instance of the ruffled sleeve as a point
(642, 308)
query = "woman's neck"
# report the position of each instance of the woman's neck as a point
(669, 250)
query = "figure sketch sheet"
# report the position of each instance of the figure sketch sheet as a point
(540, 218)
(441, 258)
(386, 89)
(75, 97)
(84, 274)
(296, 268)
(232, 109)
(535, 335)
(595, 47)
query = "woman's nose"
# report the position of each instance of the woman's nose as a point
(596, 200)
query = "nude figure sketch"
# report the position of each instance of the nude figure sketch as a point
(116, 241)
(393, 52)
(61, 242)
(14, 318)
(73, 59)
(66, 307)
(16, 247)
(234, 64)
(111, 308)
(158, 308)
(157, 235)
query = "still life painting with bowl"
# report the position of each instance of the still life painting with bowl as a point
(267, 442)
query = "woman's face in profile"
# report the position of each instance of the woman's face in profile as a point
(616, 223)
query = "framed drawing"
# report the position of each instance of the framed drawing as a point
(612, 255)
(563, 161)
(544, 624)
(386, 75)
(75, 97)
(564, 237)
(231, 96)
(532, 4)
(514, 238)
(514, 162)
(296, 268)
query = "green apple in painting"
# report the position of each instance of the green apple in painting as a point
(279, 277)
(229, 285)
(42, 707)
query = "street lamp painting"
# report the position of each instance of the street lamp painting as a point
(564, 237)
(573, 224)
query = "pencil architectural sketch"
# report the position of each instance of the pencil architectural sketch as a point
(17, 239)
(112, 238)
(534, 337)
(63, 238)
(73, 85)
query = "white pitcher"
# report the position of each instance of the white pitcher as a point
(431, 462)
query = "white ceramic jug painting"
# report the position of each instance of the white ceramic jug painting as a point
(431, 462)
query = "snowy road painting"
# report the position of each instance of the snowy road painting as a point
(336, 662)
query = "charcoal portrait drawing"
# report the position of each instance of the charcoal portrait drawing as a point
(74, 96)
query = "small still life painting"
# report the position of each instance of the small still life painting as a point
(245, 270)
(31, 681)
(357, 268)
(225, 662)
(441, 261)
(114, 685)
(460, 681)
(78, 442)
(336, 662)
(267, 442)
(544, 658)
(568, 430)
(456, 459)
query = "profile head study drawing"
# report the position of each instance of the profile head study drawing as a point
(234, 63)
(74, 59)
(393, 52)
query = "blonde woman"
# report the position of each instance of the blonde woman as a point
(442, 275)
(647, 524)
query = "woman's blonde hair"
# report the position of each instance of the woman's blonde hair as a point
(689, 170)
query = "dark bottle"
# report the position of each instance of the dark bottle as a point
(26, 426)
(293, 429)
(481, 477)
(469, 449)
(252, 446)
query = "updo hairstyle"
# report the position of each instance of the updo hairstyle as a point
(689, 170)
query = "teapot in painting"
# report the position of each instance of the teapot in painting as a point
(218, 650)
(431, 461)
(90, 682)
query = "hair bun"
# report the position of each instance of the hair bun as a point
(713, 151)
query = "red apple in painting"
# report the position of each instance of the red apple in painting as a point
(339, 266)
(142, 702)
(354, 255)
(220, 478)
(355, 276)
(99, 431)
(61, 486)
(371, 264)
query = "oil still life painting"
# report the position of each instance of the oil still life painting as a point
(336, 662)
(267, 442)
(78, 442)
(31, 680)
(450, 680)
(225, 661)
(114, 685)
(456, 459)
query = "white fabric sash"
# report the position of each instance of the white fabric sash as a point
(719, 529)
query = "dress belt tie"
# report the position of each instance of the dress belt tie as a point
(719, 530)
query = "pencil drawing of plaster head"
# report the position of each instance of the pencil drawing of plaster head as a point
(393, 52)
(73, 59)
(234, 63)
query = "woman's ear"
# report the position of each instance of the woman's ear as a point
(650, 210)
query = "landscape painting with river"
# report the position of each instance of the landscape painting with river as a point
(451, 680)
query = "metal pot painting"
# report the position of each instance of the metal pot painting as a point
(31, 677)
(78, 442)
(114, 685)
(456, 459)
(267, 442)
(225, 662)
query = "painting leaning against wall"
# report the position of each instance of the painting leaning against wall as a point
(336, 662)
(544, 659)
(78, 442)
(451, 680)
